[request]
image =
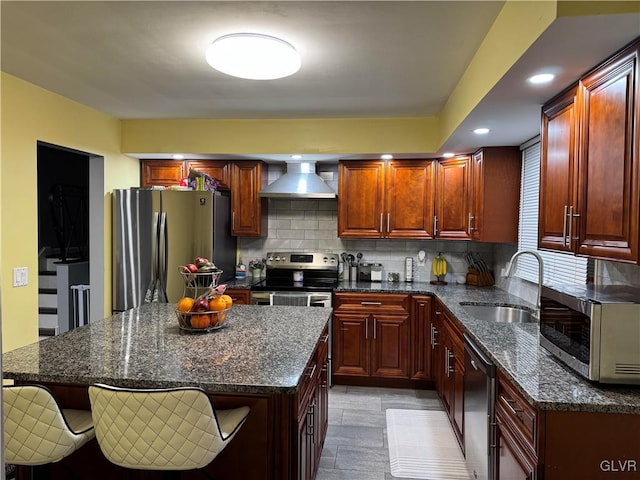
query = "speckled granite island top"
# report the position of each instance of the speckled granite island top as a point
(516, 350)
(260, 350)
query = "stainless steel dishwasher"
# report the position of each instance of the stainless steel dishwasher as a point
(479, 417)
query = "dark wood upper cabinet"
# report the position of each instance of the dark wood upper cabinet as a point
(590, 172)
(409, 199)
(495, 195)
(162, 173)
(361, 199)
(248, 210)
(218, 169)
(558, 171)
(609, 140)
(378, 199)
(452, 204)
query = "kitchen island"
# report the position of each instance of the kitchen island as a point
(264, 358)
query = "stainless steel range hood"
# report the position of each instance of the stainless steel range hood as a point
(300, 181)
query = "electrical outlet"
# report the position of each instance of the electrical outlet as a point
(20, 276)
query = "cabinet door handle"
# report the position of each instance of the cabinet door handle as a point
(381, 215)
(508, 404)
(435, 225)
(564, 227)
(310, 419)
(370, 303)
(434, 332)
(571, 226)
(366, 329)
(388, 221)
(233, 221)
(375, 327)
(313, 370)
(446, 361)
(471, 217)
(571, 217)
(450, 357)
(325, 338)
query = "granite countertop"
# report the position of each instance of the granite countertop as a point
(260, 350)
(516, 350)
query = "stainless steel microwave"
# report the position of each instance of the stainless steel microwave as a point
(595, 330)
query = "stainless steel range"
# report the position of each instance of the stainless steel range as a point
(294, 278)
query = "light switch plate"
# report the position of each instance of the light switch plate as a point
(20, 276)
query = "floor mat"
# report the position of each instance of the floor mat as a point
(422, 445)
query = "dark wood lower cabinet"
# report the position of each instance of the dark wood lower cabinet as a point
(512, 463)
(313, 411)
(449, 367)
(240, 296)
(421, 334)
(371, 337)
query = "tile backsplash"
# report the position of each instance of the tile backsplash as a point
(312, 225)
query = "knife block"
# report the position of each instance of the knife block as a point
(479, 279)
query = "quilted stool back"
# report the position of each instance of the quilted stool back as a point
(160, 429)
(36, 430)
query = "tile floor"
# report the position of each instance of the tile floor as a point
(356, 444)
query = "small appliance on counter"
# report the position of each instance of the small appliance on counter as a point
(370, 272)
(593, 329)
(408, 269)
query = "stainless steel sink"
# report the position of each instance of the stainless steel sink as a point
(501, 314)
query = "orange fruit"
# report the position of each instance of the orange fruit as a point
(185, 304)
(227, 299)
(201, 320)
(217, 303)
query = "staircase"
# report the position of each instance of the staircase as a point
(48, 299)
(55, 279)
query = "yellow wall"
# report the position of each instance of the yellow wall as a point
(255, 136)
(30, 114)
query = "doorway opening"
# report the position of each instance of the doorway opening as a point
(68, 199)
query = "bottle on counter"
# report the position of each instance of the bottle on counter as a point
(241, 271)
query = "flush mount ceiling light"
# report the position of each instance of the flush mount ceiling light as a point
(178, 156)
(296, 156)
(541, 78)
(386, 156)
(448, 155)
(253, 56)
(481, 131)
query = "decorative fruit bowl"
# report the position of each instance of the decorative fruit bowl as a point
(199, 279)
(202, 321)
(204, 313)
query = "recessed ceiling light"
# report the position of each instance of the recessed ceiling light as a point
(481, 131)
(448, 155)
(178, 156)
(386, 156)
(253, 56)
(541, 78)
(296, 156)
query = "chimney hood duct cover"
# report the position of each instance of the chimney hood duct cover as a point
(300, 181)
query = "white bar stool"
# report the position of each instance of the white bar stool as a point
(161, 429)
(37, 431)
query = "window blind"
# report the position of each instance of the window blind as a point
(559, 268)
